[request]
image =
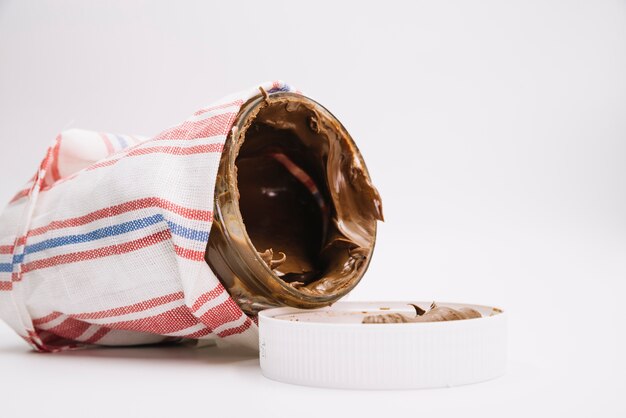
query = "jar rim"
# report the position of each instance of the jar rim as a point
(232, 147)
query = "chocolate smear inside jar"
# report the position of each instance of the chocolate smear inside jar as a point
(307, 207)
(284, 202)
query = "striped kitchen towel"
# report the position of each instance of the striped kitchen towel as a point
(105, 244)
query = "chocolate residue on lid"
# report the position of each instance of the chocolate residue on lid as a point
(433, 314)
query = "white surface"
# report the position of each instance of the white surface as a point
(331, 348)
(495, 132)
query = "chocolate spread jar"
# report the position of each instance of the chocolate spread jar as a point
(295, 209)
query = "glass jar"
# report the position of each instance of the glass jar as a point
(295, 210)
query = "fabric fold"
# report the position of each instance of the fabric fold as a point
(105, 244)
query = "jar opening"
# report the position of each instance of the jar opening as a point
(283, 195)
(295, 209)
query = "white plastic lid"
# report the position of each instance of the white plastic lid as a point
(330, 347)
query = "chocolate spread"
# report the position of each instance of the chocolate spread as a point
(307, 203)
(434, 314)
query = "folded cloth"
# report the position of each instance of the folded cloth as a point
(105, 245)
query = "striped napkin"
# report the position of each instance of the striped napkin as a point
(105, 244)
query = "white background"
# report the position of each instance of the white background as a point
(495, 132)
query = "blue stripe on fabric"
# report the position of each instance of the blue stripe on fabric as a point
(122, 141)
(109, 231)
(188, 233)
(96, 234)
(284, 87)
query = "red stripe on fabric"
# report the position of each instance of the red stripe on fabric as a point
(38, 343)
(98, 335)
(70, 328)
(107, 143)
(222, 106)
(47, 187)
(189, 254)
(19, 195)
(55, 344)
(6, 286)
(111, 211)
(107, 163)
(27, 339)
(135, 307)
(98, 252)
(47, 318)
(211, 126)
(6, 249)
(225, 312)
(205, 297)
(45, 337)
(164, 323)
(198, 149)
(236, 330)
(44, 341)
(255, 319)
(54, 168)
(33, 336)
(44, 166)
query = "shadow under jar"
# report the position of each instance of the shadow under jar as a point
(295, 209)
